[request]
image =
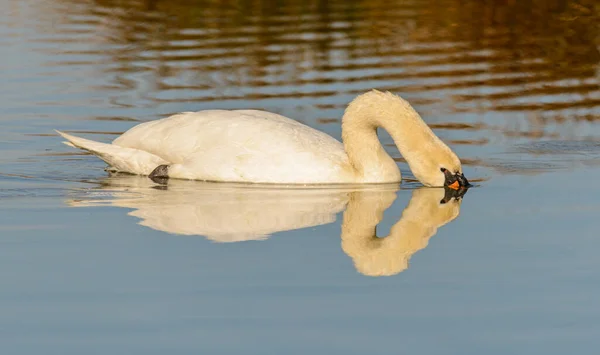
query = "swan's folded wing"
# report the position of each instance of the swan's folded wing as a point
(129, 160)
(241, 146)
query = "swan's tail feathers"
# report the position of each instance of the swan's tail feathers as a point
(121, 159)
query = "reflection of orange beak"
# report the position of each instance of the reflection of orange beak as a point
(455, 185)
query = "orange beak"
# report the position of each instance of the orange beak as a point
(455, 185)
(455, 181)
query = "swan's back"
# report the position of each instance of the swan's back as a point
(241, 145)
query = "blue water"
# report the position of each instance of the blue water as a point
(92, 263)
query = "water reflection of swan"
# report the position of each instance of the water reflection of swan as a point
(220, 212)
(232, 213)
(427, 210)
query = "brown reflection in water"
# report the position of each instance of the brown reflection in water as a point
(482, 141)
(514, 58)
(328, 120)
(541, 41)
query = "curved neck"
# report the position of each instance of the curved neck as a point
(411, 135)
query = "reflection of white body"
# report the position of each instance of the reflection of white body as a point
(263, 147)
(232, 213)
(222, 212)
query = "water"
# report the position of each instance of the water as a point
(91, 263)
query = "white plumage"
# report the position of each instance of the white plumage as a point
(263, 147)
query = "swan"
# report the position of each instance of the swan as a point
(254, 146)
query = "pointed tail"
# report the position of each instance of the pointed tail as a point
(122, 159)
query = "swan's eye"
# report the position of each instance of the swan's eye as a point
(443, 170)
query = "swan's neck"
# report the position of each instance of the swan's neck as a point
(414, 139)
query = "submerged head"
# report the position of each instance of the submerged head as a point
(455, 179)
(451, 170)
(441, 168)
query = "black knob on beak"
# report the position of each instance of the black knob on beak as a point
(462, 180)
(455, 181)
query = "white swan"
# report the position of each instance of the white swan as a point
(263, 147)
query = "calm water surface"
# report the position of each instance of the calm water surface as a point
(91, 263)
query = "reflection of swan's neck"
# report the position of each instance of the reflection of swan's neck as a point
(390, 255)
(414, 139)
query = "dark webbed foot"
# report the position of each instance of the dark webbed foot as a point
(160, 174)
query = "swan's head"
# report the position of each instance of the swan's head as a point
(455, 179)
(449, 172)
(443, 170)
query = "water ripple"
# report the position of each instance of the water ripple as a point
(479, 74)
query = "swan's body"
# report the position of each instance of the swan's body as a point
(263, 147)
